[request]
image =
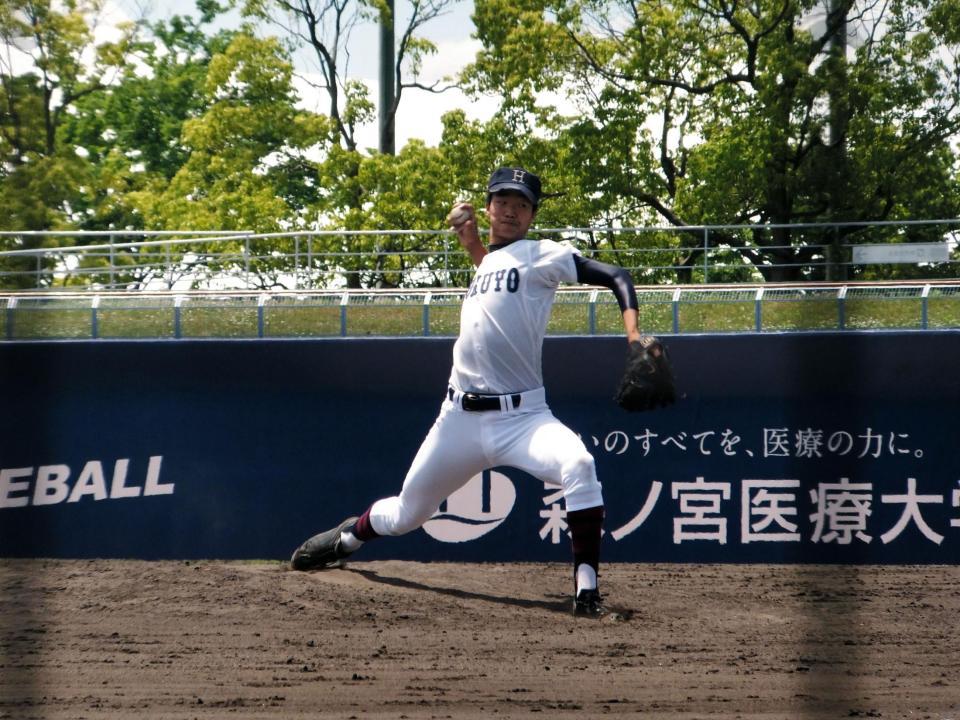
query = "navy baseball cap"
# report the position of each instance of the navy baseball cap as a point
(515, 178)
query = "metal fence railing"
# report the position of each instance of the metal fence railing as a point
(168, 260)
(578, 310)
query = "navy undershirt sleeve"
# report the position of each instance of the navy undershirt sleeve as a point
(592, 272)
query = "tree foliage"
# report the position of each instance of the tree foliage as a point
(41, 177)
(246, 166)
(133, 129)
(775, 113)
(724, 112)
(50, 64)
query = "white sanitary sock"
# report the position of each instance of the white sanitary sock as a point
(586, 577)
(349, 542)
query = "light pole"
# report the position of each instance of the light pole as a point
(387, 85)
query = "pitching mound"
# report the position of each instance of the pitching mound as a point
(132, 639)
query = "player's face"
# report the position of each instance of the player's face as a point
(510, 215)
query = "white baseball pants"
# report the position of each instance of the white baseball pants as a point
(462, 444)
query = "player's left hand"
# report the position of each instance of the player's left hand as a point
(647, 381)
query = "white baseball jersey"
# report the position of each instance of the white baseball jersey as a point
(504, 317)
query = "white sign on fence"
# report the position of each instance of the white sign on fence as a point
(901, 253)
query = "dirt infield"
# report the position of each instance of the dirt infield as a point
(132, 639)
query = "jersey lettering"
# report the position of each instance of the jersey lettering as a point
(481, 283)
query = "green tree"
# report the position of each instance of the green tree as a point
(730, 113)
(50, 63)
(248, 166)
(411, 190)
(131, 133)
(325, 32)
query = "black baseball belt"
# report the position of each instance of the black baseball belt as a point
(475, 402)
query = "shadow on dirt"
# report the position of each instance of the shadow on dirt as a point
(558, 606)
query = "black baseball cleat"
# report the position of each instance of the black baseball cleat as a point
(588, 603)
(323, 550)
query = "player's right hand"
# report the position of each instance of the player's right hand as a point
(461, 213)
(462, 219)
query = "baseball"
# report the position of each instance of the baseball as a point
(458, 216)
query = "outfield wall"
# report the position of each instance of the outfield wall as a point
(827, 447)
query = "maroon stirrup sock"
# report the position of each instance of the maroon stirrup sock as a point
(362, 529)
(585, 530)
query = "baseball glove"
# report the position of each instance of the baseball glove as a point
(647, 382)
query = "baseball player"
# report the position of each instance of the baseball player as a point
(495, 411)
